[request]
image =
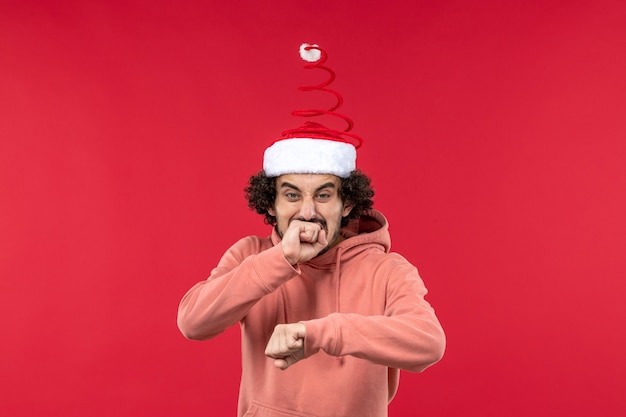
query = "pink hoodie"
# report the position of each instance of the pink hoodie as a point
(364, 312)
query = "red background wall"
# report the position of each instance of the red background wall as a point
(495, 137)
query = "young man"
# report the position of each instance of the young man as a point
(328, 314)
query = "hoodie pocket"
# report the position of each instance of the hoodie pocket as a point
(258, 409)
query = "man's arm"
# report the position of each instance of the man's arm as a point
(407, 336)
(240, 280)
(243, 277)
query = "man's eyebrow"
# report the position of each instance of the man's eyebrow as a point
(289, 185)
(327, 185)
(321, 187)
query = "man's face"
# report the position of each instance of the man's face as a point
(309, 197)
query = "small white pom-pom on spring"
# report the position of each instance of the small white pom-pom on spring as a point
(316, 58)
(312, 54)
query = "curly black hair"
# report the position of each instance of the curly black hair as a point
(355, 190)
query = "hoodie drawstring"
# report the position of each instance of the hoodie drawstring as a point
(337, 290)
(337, 281)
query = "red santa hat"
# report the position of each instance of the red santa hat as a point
(313, 148)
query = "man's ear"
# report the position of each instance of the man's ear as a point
(347, 208)
(271, 211)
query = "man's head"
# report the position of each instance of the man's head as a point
(354, 191)
(309, 173)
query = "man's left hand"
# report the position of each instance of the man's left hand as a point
(286, 344)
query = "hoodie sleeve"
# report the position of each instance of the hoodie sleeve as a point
(241, 278)
(407, 336)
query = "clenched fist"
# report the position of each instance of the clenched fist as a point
(286, 344)
(303, 241)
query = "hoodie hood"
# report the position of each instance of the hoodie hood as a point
(371, 227)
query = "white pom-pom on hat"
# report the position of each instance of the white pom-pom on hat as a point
(310, 55)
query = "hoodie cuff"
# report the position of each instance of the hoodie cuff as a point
(321, 334)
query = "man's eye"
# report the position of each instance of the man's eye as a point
(291, 196)
(323, 196)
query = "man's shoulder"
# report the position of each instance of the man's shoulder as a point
(243, 248)
(252, 244)
(378, 257)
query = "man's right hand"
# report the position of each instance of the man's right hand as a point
(303, 241)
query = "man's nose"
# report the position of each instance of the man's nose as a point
(307, 209)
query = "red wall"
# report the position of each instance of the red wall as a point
(495, 137)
